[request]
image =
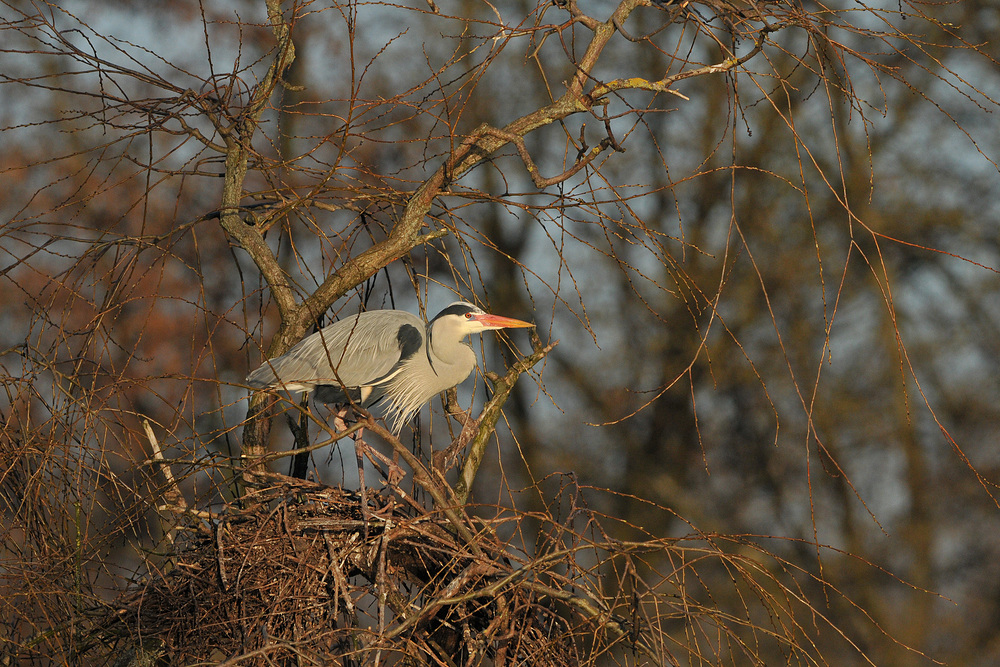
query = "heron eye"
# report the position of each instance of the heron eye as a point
(468, 316)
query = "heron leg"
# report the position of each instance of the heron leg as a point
(340, 419)
(359, 450)
(394, 475)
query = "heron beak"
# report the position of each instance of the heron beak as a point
(497, 322)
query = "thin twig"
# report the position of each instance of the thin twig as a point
(171, 491)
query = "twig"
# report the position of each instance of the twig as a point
(171, 492)
(663, 85)
(601, 618)
(529, 164)
(443, 499)
(219, 556)
(339, 435)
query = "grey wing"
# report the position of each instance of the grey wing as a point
(354, 352)
(372, 348)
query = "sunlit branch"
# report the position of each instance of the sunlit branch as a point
(480, 430)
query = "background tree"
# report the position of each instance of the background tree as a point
(763, 232)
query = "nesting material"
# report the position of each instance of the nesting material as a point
(299, 576)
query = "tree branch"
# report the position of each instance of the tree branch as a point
(238, 137)
(480, 429)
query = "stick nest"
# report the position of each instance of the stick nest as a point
(298, 576)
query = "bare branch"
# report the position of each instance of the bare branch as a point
(480, 430)
(171, 492)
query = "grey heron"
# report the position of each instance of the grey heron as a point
(383, 354)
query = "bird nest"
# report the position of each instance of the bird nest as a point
(299, 576)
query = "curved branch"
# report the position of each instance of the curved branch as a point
(663, 85)
(529, 164)
(238, 137)
(480, 430)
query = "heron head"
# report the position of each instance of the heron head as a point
(469, 319)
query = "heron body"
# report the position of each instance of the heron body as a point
(383, 354)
